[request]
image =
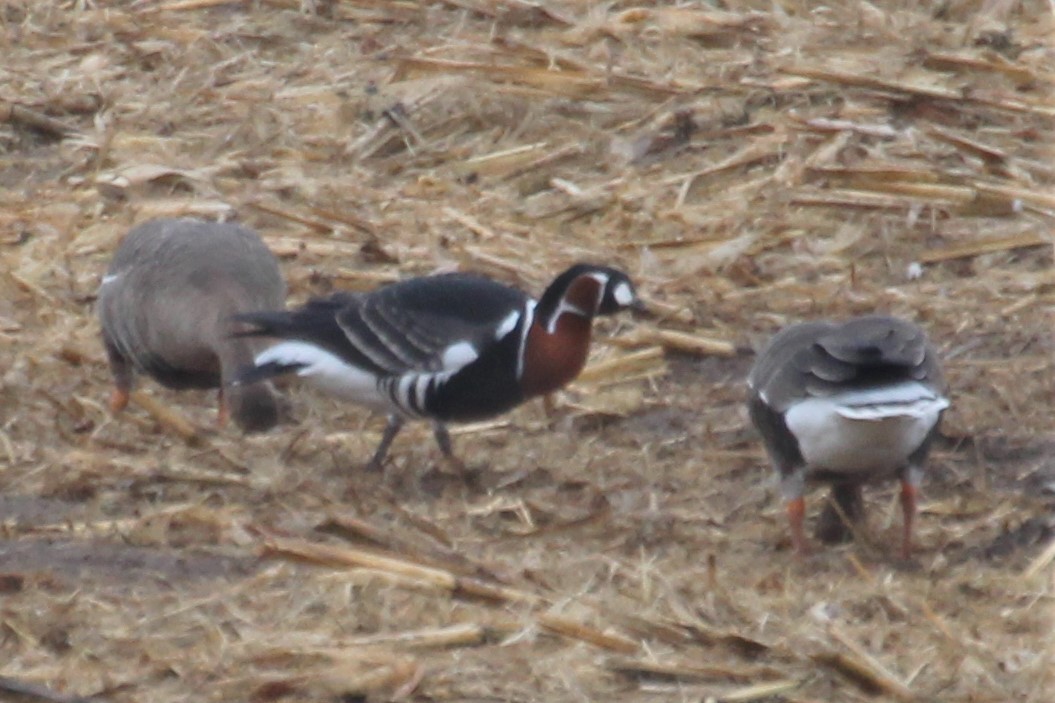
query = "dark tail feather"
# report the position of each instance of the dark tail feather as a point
(254, 374)
(261, 324)
(300, 323)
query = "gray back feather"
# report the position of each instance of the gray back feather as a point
(166, 302)
(822, 358)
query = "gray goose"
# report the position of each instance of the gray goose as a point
(847, 404)
(166, 306)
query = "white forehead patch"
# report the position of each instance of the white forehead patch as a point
(623, 294)
(109, 278)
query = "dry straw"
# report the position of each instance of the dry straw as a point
(752, 166)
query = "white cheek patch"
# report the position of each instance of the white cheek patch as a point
(458, 355)
(109, 278)
(623, 294)
(325, 371)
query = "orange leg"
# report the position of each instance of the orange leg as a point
(796, 515)
(118, 400)
(908, 511)
(223, 413)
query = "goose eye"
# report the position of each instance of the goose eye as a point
(622, 294)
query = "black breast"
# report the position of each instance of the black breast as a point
(485, 388)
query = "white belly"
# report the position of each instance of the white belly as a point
(869, 431)
(328, 373)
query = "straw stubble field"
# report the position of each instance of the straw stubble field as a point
(749, 163)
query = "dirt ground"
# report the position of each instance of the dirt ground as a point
(750, 164)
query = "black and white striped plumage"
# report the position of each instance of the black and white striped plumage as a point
(847, 404)
(450, 348)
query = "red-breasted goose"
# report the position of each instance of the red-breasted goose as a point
(448, 348)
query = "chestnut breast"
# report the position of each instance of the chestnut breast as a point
(553, 358)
